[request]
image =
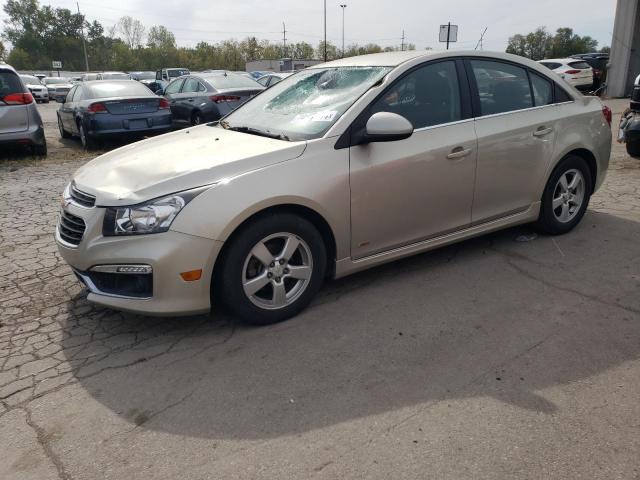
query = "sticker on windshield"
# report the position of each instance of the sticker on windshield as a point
(324, 116)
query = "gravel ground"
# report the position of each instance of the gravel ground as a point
(492, 358)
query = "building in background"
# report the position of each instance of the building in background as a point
(282, 65)
(625, 49)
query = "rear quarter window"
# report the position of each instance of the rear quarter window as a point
(10, 83)
(551, 65)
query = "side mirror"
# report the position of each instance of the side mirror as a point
(387, 127)
(61, 99)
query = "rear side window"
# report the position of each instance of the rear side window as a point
(502, 87)
(542, 90)
(174, 87)
(562, 95)
(190, 85)
(580, 65)
(551, 65)
(427, 96)
(10, 83)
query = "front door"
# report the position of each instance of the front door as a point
(410, 190)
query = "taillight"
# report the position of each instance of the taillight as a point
(572, 72)
(224, 98)
(18, 99)
(606, 111)
(164, 103)
(97, 108)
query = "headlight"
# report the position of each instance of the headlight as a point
(154, 216)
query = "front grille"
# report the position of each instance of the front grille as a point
(82, 198)
(71, 228)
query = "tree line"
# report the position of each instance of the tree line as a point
(40, 34)
(540, 44)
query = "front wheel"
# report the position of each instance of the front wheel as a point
(272, 269)
(566, 196)
(196, 119)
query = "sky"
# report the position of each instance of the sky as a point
(378, 21)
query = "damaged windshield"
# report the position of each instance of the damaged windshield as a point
(304, 106)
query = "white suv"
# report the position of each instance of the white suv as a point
(575, 72)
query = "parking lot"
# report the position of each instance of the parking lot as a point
(507, 356)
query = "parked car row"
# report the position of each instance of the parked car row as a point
(586, 71)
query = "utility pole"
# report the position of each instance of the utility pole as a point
(479, 44)
(343, 6)
(284, 40)
(84, 45)
(325, 30)
(402, 42)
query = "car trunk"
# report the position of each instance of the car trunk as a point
(232, 98)
(129, 105)
(584, 70)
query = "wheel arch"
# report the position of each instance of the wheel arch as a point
(303, 211)
(589, 158)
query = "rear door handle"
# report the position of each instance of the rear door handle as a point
(459, 152)
(542, 131)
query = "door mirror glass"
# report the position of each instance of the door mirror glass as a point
(387, 127)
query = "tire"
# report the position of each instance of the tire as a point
(40, 150)
(280, 293)
(88, 142)
(63, 132)
(570, 203)
(196, 119)
(633, 148)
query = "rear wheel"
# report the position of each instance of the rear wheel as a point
(566, 196)
(40, 150)
(196, 119)
(633, 148)
(63, 132)
(88, 142)
(273, 268)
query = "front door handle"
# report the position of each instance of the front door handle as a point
(542, 131)
(459, 152)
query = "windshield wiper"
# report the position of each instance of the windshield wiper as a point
(255, 131)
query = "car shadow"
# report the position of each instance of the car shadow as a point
(508, 315)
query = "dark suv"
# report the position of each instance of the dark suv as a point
(20, 122)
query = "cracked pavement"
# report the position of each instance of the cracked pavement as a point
(493, 358)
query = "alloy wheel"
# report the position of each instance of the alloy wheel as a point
(568, 195)
(277, 271)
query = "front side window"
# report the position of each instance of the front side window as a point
(174, 87)
(542, 90)
(502, 87)
(305, 105)
(429, 95)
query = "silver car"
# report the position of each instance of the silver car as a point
(37, 89)
(20, 122)
(339, 168)
(58, 87)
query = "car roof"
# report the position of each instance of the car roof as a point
(6, 66)
(393, 59)
(102, 82)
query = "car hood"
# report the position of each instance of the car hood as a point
(178, 161)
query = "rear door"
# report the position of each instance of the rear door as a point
(13, 115)
(515, 123)
(186, 99)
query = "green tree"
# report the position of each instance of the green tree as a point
(3, 52)
(332, 51)
(19, 59)
(540, 44)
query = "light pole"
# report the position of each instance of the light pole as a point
(325, 30)
(343, 6)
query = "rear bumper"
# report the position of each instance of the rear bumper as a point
(34, 135)
(134, 125)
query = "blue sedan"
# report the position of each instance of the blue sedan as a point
(112, 108)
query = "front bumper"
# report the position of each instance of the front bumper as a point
(168, 254)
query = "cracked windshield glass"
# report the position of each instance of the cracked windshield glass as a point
(305, 105)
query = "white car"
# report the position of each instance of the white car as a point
(37, 89)
(575, 72)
